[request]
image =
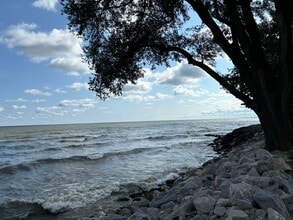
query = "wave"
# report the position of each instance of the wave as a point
(22, 210)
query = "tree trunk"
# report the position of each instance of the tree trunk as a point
(276, 124)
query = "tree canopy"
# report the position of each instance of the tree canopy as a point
(122, 35)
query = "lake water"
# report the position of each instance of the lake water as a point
(62, 167)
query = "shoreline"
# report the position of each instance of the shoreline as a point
(244, 182)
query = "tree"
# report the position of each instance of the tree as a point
(121, 35)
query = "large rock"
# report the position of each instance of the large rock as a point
(274, 215)
(262, 154)
(265, 200)
(220, 211)
(280, 164)
(242, 191)
(139, 216)
(287, 186)
(234, 214)
(288, 200)
(204, 204)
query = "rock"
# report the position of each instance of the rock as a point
(139, 216)
(280, 164)
(223, 203)
(187, 205)
(124, 212)
(265, 200)
(204, 204)
(243, 191)
(263, 166)
(288, 200)
(245, 160)
(168, 207)
(274, 215)
(153, 213)
(114, 217)
(257, 214)
(262, 154)
(220, 211)
(234, 214)
(253, 172)
(243, 204)
(225, 168)
(260, 181)
(200, 217)
(285, 185)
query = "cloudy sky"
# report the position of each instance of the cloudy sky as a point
(44, 81)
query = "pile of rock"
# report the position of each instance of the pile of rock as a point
(246, 182)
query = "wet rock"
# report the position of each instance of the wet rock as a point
(274, 215)
(204, 204)
(265, 200)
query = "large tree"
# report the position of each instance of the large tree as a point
(122, 35)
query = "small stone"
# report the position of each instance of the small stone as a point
(274, 215)
(204, 204)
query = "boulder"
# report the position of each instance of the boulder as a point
(242, 191)
(285, 185)
(262, 154)
(234, 214)
(266, 199)
(168, 207)
(280, 164)
(200, 217)
(274, 215)
(253, 172)
(220, 211)
(204, 204)
(139, 216)
(288, 200)
(153, 213)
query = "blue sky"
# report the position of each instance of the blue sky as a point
(44, 81)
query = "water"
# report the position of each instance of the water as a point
(62, 167)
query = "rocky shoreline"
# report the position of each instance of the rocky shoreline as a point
(244, 182)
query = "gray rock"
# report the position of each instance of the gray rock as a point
(257, 214)
(139, 216)
(243, 191)
(274, 215)
(225, 168)
(285, 185)
(245, 160)
(262, 154)
(280, 164)
(260, 181)
(200, 217)
(220, 211)
(204, 204)
(253, 172)
(243, 204)
(288, 200)
(223, 202)
(265, 200)
(153, 213)
(114, 217)
(263, 166)
(168, 207)
(187, 205)
(234, 214)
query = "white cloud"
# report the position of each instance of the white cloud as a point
(78, 86)
(181, 74)
(16, 100)
(38, 100)
(73, 66)
(181, 90)
(141, 87)
(85, 103)
(60, 47)
(145, 98)
(19, 107)
(60, 90)
(36, 92)
(54, 110)
(1, 109)
(49, 5)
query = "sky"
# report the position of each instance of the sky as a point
(43, 79)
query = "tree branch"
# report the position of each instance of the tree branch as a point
(222, 81)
